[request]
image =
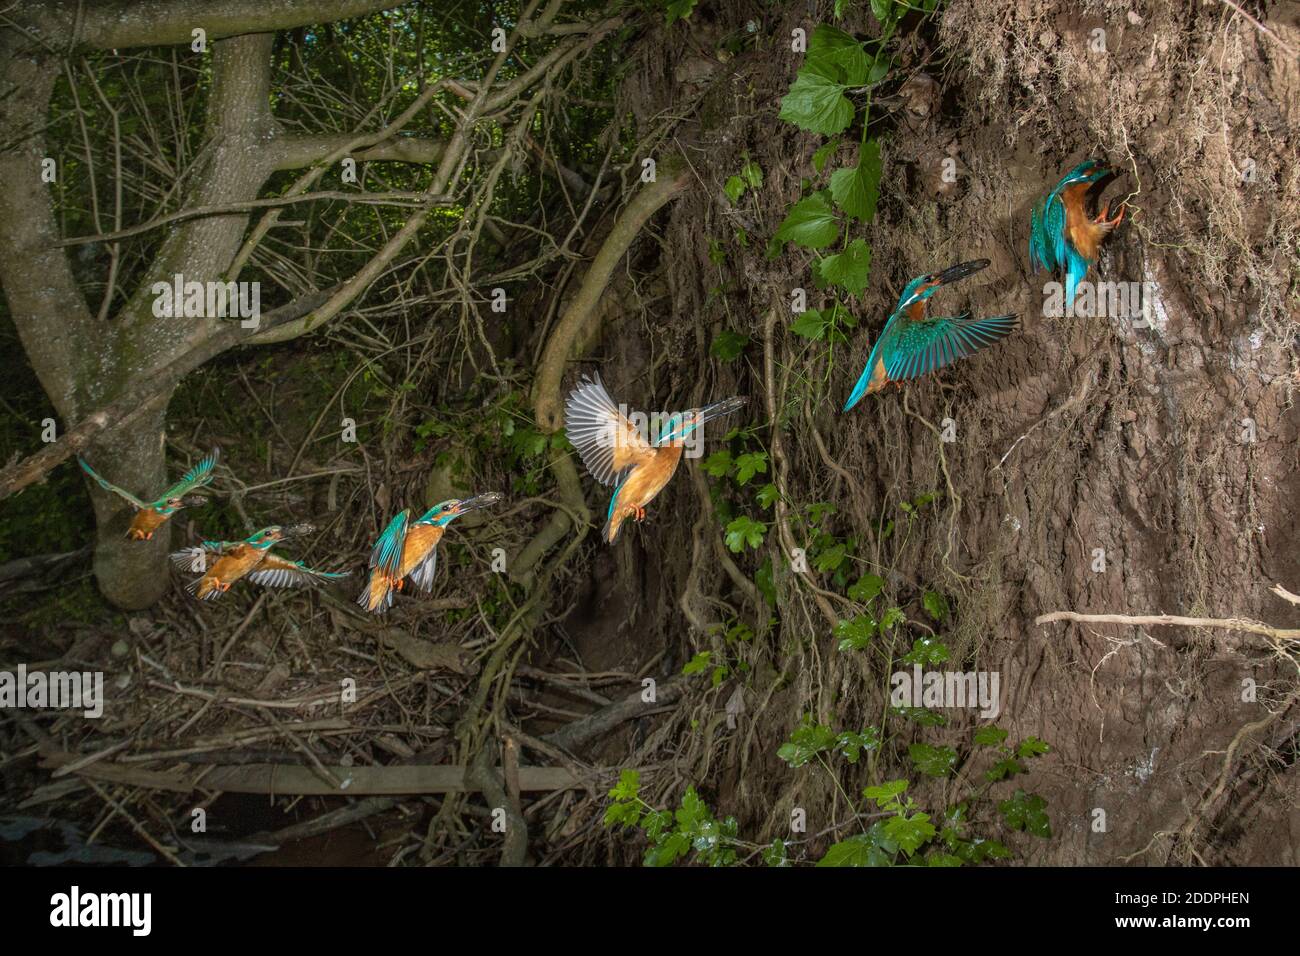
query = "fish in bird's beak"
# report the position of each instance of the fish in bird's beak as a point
(960, 271)
(718, 409)
(297, 530)
(193, 501)
(478, 501)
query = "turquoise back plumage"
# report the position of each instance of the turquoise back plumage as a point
(1049, 247)
(387, 552)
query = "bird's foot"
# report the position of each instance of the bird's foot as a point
(1104, 218)
(640, 514)
(400, 582)
(222, 586)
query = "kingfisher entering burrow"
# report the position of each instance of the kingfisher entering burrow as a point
(617, 454)
(409, 549)
(251, 558)
(912, 345)
(150, 516)
(1063, 232)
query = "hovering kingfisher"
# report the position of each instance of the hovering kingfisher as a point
(616, 453)
(412, 550)
(150, 516)
(912, 345)
(1062, 233)
(251, 558)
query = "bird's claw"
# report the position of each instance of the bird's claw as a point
(1104, 219)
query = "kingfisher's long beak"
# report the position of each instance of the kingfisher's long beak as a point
(718, 409)
(479, 501)
(960, 271)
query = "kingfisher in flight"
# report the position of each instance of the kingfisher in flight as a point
(251, 558)
(410, 549)
(1063, 232)
(912, 345)
(617, 454)
(150, 516)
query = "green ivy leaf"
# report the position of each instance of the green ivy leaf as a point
(1026, 812)
(679, 10)
(831, 558)
(656, 824)
(728, 345)
(835, 55)
(752, 174)
(922, 716)
(698, 663)
(745, 531)
(734, 188)
(628, 786)
(823, 153)
(750, 464)
(856, 190)
(810, 223)
(866, 588)
(910, 832)
(1032, 747)
(873, 848)
(850, 269)
(936, 605)
(775, 854)
(808, 740)
(926, 650)
(885, 792)
(932, 761)
(817, 104)
(855, 634)
(667, 852)
(767, 496)
(623, 814)
(1006, 767)
(892, 618)
(718, 464)
(990, 736)
(852, 744)
(810, 324)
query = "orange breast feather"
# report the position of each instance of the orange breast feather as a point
(145, 523)
(1083, 233)
(230, 567)
(420, 540)
(643, 484)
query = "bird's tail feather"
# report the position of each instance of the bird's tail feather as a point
(378, 595)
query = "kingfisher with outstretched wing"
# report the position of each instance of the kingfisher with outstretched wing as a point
(151, 515)
(222, 563)
(409, 549)
(911, 345)
(617, 454)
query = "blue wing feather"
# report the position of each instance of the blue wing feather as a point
(387, 553)
(944, 341)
